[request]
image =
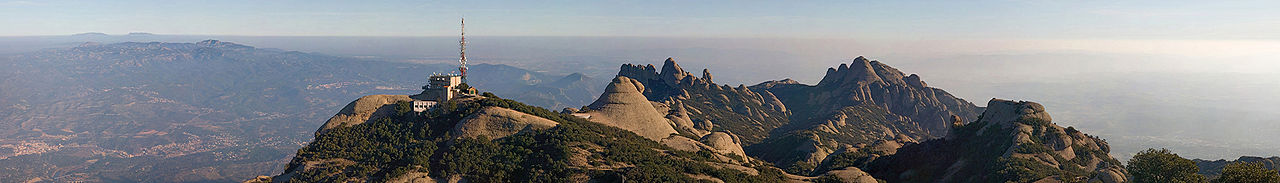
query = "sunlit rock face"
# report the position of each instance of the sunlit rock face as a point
(623, 106)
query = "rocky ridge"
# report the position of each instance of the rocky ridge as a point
(1012, 141)
(700, 106)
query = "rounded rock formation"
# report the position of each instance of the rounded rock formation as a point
(497, 122)
(724, 143)
(623, 106)
(362, 110)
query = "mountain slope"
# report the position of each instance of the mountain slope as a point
(411, 146)
(864, 104)
(1011, 141)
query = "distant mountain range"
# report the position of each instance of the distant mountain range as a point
(206, 111)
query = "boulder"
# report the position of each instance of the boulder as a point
(724, 143)
(679, 116)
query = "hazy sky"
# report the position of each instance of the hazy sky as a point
(1032, 19)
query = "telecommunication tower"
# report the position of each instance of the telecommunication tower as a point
(462, 51)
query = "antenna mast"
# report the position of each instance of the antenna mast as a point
(462, 51)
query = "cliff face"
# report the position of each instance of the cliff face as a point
(858, 105)
(1012, 141)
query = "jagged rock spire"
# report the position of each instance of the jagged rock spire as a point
(671, 72)
(859, 71)
(706, 75)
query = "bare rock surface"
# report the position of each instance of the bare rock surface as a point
(623, 106)
(497, 122)
(724, 143)
(852, 175)
(362, 110)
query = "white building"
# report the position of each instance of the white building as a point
(423, 105)
(441, 88)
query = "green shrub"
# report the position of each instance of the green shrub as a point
(1160, 166)
(1246, 172)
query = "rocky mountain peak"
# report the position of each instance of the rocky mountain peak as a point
(914, 80)
(671, 73)
(706, 75)
(860, 71)
(623, 105)
(669, 77)
(639, 72)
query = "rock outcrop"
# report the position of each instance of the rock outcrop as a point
(624, 106)
(724, 143)
(1010, 137)
(748, 113)
(852, 175)
(497, 122)
(362, 110)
